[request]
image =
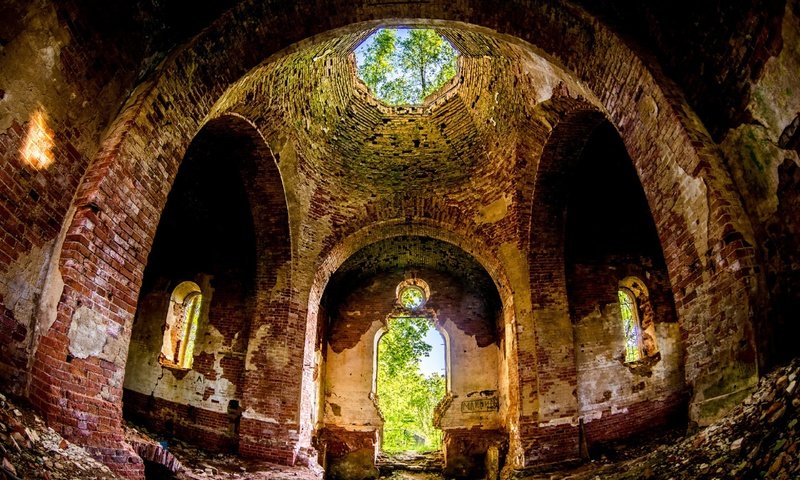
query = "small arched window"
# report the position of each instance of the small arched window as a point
(180, 330)
(637, 320)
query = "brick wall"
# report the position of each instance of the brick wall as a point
(215, 431)
(706, 235)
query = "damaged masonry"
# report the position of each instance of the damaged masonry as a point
(213, 216)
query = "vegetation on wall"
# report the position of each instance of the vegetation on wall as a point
(407, 397)
(402, 67)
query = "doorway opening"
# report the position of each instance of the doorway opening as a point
(411, 375)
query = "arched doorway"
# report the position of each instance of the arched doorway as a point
(380, 287)
(186, 372)
(411, 374)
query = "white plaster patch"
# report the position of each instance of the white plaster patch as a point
(596, 415)
(24, 280)
(558, 421)
(693, 204)
(495, 211)
(546, 76)
(93, 335)
(281, 281)
(47, 56)
(213, 340)
(262, 333)
(616, 410)
(253, 415)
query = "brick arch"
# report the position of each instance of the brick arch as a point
(344, 249)
(264, 186)
(548, 425)
(90, 411)
(148, 139)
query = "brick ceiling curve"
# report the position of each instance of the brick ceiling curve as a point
(410, 255)
(341, 131)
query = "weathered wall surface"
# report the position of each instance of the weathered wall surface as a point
(62, 56)
(161, 396)
(65, 71)
(762, 155)
(350, 357)
(456, 309)
(609, 391)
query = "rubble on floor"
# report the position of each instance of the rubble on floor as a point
(32, 450)
(196, 464)
(759, 439)
(411, 466)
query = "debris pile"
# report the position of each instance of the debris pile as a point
(200, 465)
(31, 450)
(184, 461)
(396, 465)
(760, 438)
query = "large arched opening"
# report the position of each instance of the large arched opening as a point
(360, 304)
(221, 243)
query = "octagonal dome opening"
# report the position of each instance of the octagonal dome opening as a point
(404, 66)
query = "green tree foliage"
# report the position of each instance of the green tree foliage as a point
(407, 397)
(405, 68)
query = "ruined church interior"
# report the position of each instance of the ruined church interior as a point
(209, 223)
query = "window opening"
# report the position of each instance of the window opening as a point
(181, 326)
(402, 66)
(630, 325)
(407, 395)
(637, 320)
(412, 297)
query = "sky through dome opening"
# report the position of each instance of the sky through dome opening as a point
(403, 66)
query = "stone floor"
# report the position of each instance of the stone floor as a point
(758, 439)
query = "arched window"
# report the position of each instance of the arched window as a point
(630, 325)
(637, 320)
(180, 330)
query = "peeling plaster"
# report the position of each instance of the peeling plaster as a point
(692, 202)
(283, 275)
(25, 276)
(253, 415)
(91, 334)
(495, 211)
(545, 77)
(35, 282)
(559, 421)
(277, 353)
(213, 342)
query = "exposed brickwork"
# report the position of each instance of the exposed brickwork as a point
(636, 418)
(471, 182)
(213, 430)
